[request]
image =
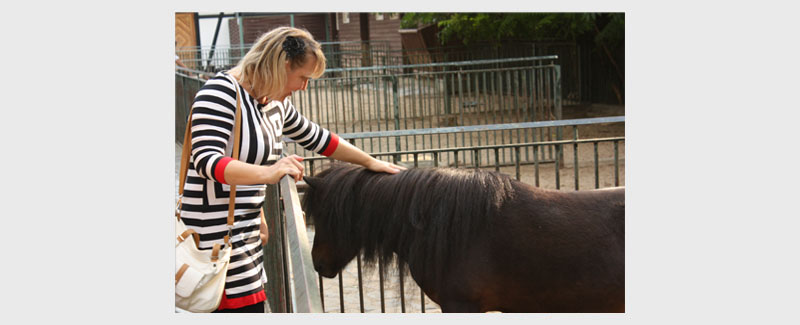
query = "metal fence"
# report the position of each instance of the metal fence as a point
(384, 98)
(374, 99)
(338, 55)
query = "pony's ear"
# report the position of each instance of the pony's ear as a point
(312, 181)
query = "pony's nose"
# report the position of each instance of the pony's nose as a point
(324, 271)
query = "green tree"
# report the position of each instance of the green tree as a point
(606, 30)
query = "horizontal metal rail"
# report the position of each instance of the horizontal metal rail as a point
(445, 64)
(484, 147)
(478, 128)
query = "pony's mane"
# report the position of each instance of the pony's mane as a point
(427, 215)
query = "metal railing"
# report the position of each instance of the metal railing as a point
(338, 54)
(461, 94)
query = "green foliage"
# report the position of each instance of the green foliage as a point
(495, 27)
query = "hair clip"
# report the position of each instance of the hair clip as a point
(294, 47)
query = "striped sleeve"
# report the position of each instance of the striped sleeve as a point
(307, 133)
(213, 111)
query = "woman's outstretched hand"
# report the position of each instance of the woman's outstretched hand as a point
(383, 166)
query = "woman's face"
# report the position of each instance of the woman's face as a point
(297, 79)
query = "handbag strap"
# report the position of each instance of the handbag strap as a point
(187, 145)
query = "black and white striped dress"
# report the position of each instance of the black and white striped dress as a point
(205, 201)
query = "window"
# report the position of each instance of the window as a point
(345, 17)
(394, 16)
(378, 16)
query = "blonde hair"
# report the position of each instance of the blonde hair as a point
(265, 63)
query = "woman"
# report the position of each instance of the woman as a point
(279, 63)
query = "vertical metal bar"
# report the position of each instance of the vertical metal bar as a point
(478, 111)
(515, 86)
(557, 164)
(360, 284)
(396, 104)
(526, 85)
(402, 289)
(321, 293)
(444, 89)
(516, 161)
(380, 285)
(335, 102)
(403, 103)
(501, 108)
(461, 116)
(422, 300)
(596, 168)
(327, 106)
(343, 96)
(496, 159)
(475, 159)
(421, 110)
(387, 109)
(368, 94)
(341, 293)
(576, 167)
(616, 163)
(557, 97)
(536, 164)
(446, 92)
(493, 95)
(349, 83)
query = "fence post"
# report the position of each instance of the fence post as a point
(396, 105)
(557, 104)
(305, 296)
(274, 260)
(447, 88)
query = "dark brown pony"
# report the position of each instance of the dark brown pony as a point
(475, 241)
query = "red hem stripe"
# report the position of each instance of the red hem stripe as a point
(219, 172)
(241, 301)
(332, 145)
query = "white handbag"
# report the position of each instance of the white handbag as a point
(200, 274)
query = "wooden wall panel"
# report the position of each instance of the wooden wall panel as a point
(385, 30)
(186, 35)
(256, 26)
(349, 31)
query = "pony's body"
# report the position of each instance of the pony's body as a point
(475, 240)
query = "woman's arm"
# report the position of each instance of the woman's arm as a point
(264, 230)
(352, 154)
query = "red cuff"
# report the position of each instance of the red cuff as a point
(241, 301)
(219, 171)
(331, 145)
